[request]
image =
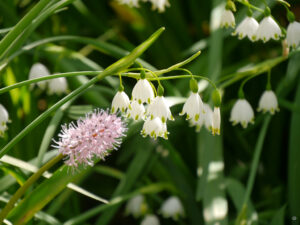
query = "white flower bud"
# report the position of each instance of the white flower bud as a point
(120, 102)
(136, 206)
(247, 28)
(38, 70)
(143, 92)
(268, 29)
(227, 19)
(57, 86)
(242, 113)
(268, 102)
(155, 128)
(4, 119)
(293, 34)
(159, 108)
(193, 107)
(150, 220)
(136, 111)
(172, 208)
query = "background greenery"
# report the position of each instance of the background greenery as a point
(113, 31)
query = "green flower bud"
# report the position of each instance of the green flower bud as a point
(194, 85)
(121, 87)
(290, 16)
(160, 90)
(216, 97)
(143, 74)
(230, 6)
(249, 12)
(267, 11)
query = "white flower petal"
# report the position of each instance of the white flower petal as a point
(293, 34)
(159, 108)
(216, 124)
(160, 5)
(268, 102)
(120, 102)
(247, 28)
(4, 119)
(136, 206)
(268, 29)
(172, 208)
(242, 113)
(58, 86)
(150, 220)
(143, 92)
(136, 111)
(36, 71)
(193, 107)
(155, 128)
(227, 19)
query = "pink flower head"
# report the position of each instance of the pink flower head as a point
(90, 137)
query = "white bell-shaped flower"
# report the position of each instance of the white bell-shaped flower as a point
(136, 111)
(247, 28)
(193, 107)
(155, 128)
(227, 19)
(205, 119)
(160, 108)
(268, 29)
(242, 113)
(143, 92)
(57, 86)
(120, 102)
(172, 208)
(36, 71)
(136, 206)
(293, 34)
(150, 220)
(4, 119)
(160, 5)
(131, 3)
(268, 102)
(216, 122)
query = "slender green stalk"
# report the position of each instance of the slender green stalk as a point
(254, 166)
(246, 3)
(28, 82)
(26, 185)
(21, 25)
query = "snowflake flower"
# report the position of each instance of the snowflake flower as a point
(136, 111)
(160, 108)
(121, 102)
(136, 206)
(293, 34)
(57, 86)
(268, 102)
(205, 119)
(92, 136)
(155, 128)
(131, 3)
(150, 220)
(193, 107)
(247, 28)
(242, 113)
(142, 91)
(216, 122)
(4, 119)
(160, 5)
(172, 208)
(36, 71)
(268, 29)
(227, 19)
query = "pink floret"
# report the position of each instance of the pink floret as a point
(90, 137)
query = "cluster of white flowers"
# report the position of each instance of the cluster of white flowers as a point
(171, 208)
(4, 119)
(267, 29)
(55, 86)
(155, 111)
(243, 113)
(159, 5)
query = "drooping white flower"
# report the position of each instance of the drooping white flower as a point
(247, 28)
(155, 128)
(160, 5)
(193, 107)
(4, 119)
(216, 122)
(172, 208)
(150, 220)
(227, 19)
(136, 206)
(159, 108)
(136, 111)
(205, 119)
(57, 86)
(131, 3)
(36, 71)
(242, 113)
(268, 29)
(143, 92)
(268, 102)
(120, 102)
(293, 34)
